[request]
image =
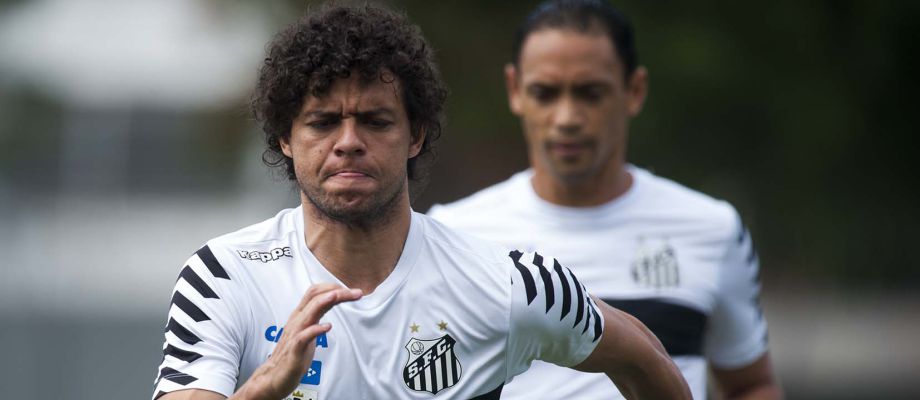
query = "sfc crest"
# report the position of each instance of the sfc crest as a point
(433, 366)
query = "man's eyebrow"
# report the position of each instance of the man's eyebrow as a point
(381, 111)
(594, 84)
(375, 112)
(321, 114)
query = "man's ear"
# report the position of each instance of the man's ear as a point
(415, 146)
(512, 87)
(285, 143)
(637, 90)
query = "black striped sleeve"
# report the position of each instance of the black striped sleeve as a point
(188, 307)
(566, 292)
(189, 275)
(598, 322)
(580, 306)
(176, 376)
(588, 314)
(529, 285)
(202, 343)
(184, 355)
(181, 332)
(207, 257)
(537, 333)
(547, 281)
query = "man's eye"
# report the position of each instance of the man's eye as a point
(543, 94)
(590, 94)
(323, 124)
(375, 123)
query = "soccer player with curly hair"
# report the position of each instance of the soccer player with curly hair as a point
(352, 295)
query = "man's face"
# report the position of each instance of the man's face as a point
(350, 149)
(574, 103)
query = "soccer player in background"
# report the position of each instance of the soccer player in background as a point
(352, 295)
(676, 259)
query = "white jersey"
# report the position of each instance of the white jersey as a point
(457, 318)
(679, 261)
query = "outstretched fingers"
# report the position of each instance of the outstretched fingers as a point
(319, 305)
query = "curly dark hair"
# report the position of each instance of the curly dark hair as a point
(332, 43)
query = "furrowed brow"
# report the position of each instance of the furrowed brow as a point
(377, 112)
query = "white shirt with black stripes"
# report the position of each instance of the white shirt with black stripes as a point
(678, 260)
(458, 316)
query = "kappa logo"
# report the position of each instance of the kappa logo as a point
(432, 366)
(265, 256)
(656, 266)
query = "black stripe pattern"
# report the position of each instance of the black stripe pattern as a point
(181, 332)
(189, 275)
(547, 281)
(176, 376)
(192, 300)
(184, 355)
(569, 293)
(529, 284)
(188, 307)
(566, 292)
(752, 261)
(207, 257)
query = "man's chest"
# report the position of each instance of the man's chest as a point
(422, 343)
(631, 260)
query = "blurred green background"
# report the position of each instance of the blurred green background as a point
(125, 143)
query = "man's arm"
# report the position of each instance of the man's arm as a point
(741, 367)
(279, 375)
(193, 394)
(634, 359)
(753, 382)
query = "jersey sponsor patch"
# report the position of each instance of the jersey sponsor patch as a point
(432, 365)
(313, 373)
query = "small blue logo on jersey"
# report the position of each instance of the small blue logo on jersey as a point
(313, 374)
(273, 334)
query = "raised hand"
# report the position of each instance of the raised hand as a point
(281, 373)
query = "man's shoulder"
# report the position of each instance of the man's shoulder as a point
(462, 243)
(274, 228)
(484, 203)
(259, 241)
(674, 201)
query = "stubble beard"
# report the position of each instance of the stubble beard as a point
(563, 170)
(380, 208)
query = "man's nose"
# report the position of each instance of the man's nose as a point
(568, 118)
(349, 141)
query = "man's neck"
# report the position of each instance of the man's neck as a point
(595, 190)
(360, 257)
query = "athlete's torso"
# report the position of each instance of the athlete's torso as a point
(655, 252)
(448, 322)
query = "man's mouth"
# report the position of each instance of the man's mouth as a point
(570, 149)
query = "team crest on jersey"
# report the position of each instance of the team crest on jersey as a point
(432, 366)
(656, 265)
(303, 394)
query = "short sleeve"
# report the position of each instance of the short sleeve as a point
(203, 334)
(737, 331)
(553, 318)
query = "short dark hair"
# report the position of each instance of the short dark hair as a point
(332, 43)
(582, 15)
